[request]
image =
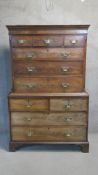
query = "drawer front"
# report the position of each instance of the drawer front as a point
(63, 54)
(69, 104)
(49, 134)
(49, 84)
(28, 104)
(37, 40)
(48, 40)
(75, 40)
(30, 119)
(43, 68)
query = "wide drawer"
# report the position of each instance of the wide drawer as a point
(55, 54)
(49, 84)
(43, 68)
(48, 134)
(28, 104)
(69, 104)
(30, 119)
(37, 40)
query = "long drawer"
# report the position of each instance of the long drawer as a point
(49, 84)
(49, 134)
(55, 54)
(32, 119)
(47, 68)
(48, 40)
(28, 104)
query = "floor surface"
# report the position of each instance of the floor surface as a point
(49, 159)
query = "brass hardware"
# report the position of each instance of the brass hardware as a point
(47, 41)
(68, 119)
(30, 55)
(29, 119)
(21, 41)
(65, 54)
(29, 105)
(73, 42)
(67, 106)
(68, 134)
(65, 85)
(31, 69)
(30, 85)
(29, 133)
(65, 69)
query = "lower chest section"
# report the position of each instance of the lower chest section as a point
(49, 118)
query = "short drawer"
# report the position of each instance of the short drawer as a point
(37, 40)
(47, 68)
(24, 104)
(74, 40)
(49, 134)
(69, 104)
(30, 119)
(63, 54)
(49, 84)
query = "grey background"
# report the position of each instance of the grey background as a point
(63, 12)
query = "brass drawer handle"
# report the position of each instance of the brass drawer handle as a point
(29, 105)
(47, 41)
(31, 55)
(21, 41)
(65, 69)
(65, 85)
(73, 42)
(65, 54)
(67, 106)
(31, 69)
(29, 133)
(28, 119)
(68, 119)
(30, 85)
(68, 134)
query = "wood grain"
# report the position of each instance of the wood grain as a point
(37, 119)
(47, 68)
(28, 104)
(48, 29)
(49, 134)
(75, 104)
(48, 102)
(44, 95)
(49, 54)
(49, 84)
(54, 41)
(74, 40)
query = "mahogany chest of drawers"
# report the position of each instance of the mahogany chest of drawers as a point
(48, 102)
